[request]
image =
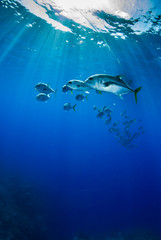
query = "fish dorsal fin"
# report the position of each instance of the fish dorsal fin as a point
(119, 76)
(120, 80)
(127, 81)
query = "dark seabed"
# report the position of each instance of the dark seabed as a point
(91, 169)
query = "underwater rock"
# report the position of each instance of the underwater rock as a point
(133, 235)
(82, 236)
(21, 214)
(128, 235)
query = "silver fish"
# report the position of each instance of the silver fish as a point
(65, 88)
(100, 115)
(44, 88)
(115, 124)
(81, 97)
(68, 107)
(94, 108)
(107, 110)
(108, 121)
(112, 84)
(42, 97)
(123, 113)
(77, 85)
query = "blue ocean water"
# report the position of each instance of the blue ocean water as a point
(91, 181)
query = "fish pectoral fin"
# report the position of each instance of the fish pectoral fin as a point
(99, 92)
(71, 91)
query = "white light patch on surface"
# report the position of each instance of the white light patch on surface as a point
(82, 11)
(122, 14)
(39, 11)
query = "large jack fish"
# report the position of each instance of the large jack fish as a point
(108, 83)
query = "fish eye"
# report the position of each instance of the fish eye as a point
(69, 82)
(78, 85)
(90, 78)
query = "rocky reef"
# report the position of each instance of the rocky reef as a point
(21, 213)
(133, 235)
(126, 235)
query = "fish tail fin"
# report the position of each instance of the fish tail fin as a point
(135, 93)
(74, 107)
(87, 97)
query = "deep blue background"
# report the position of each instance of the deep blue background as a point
(90, 183)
